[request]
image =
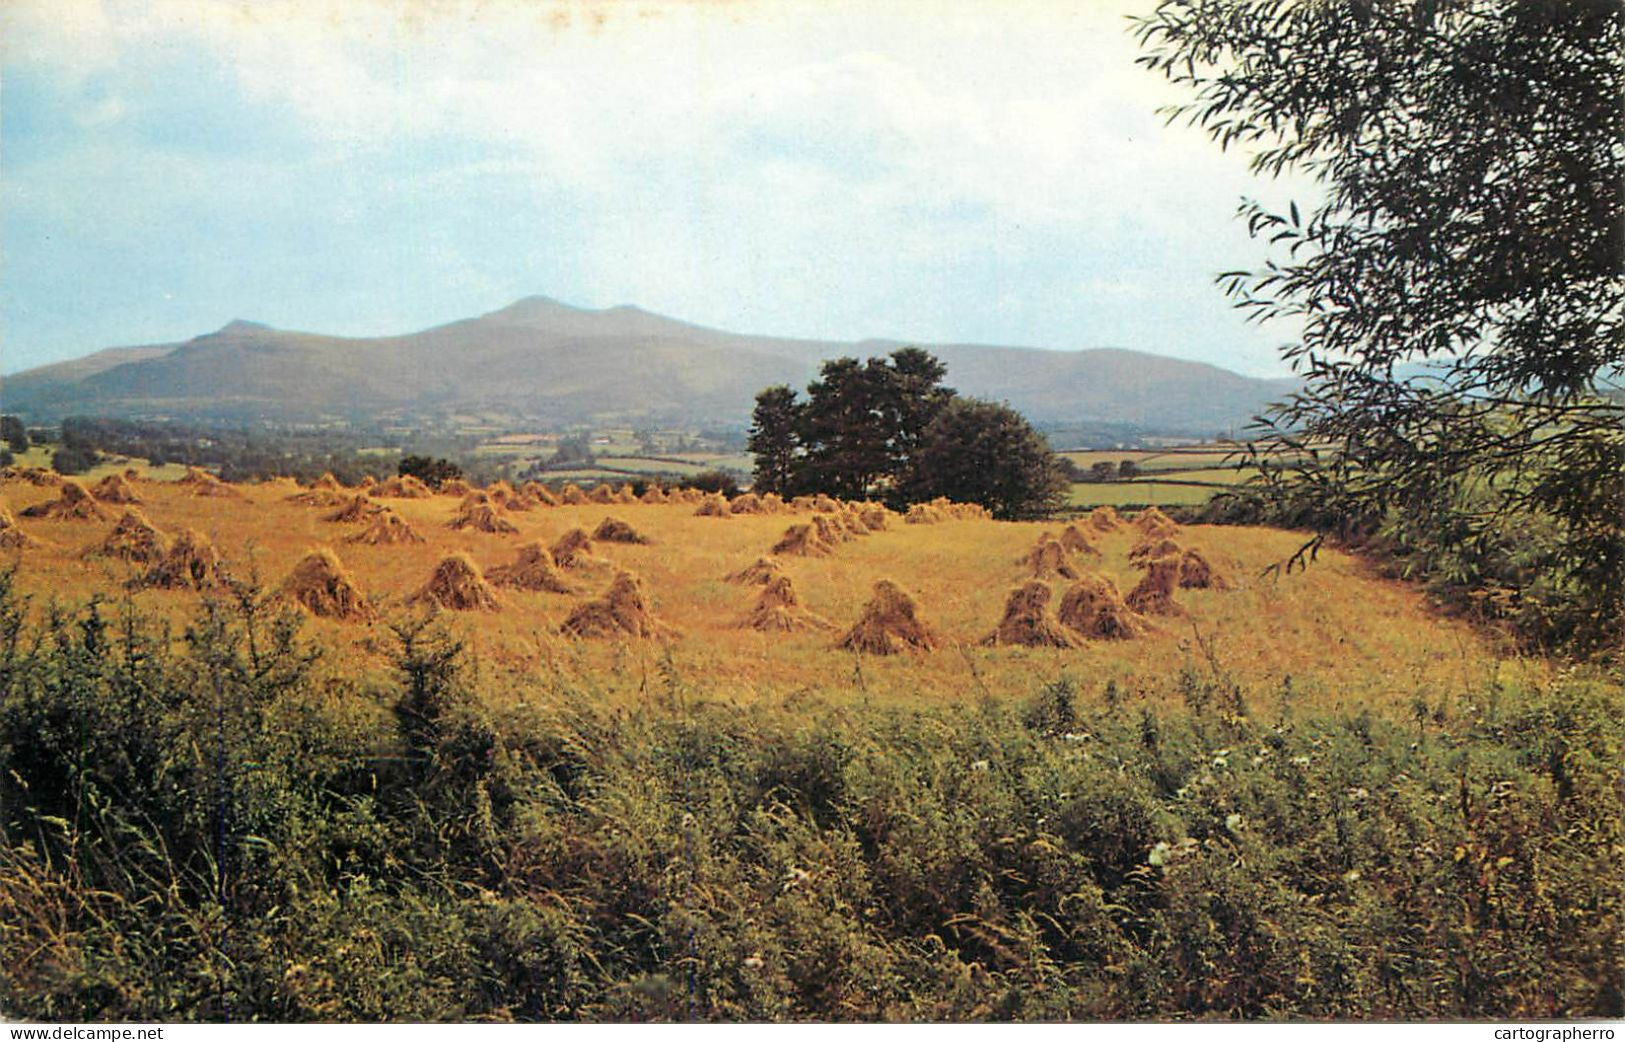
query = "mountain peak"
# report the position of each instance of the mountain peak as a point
(239, 326)
(541, 361)
(530, 309)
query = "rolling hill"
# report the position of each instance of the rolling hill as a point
(542, 361)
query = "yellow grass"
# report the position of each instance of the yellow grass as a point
(1344, 636)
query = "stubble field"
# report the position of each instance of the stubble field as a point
(1334, 635)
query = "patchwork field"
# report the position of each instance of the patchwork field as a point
(1333, 636)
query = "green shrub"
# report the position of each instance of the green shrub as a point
(225, 826)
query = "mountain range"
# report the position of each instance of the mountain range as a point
(539, 361)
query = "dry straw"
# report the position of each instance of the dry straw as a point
(457, 585)
(1075, 541)
(1047, 560)
(12, 537)
(1027, 620)
(539, 494)
(73, 503)
(942, 509)
(404, 487)
(1094, 608)
(614, 530)
(1155, 593)
(890, 623)
(358, 508)
(320, 584)
(802, 541)
(852, 520)
(1104, 519)
(758, 573)
(134, 539)
(830, 530)
(713, 505)
(37, 476)
(479, 513)
(876, 518)
(778, 609)
(622, 612)
(387, 529)
(1148, 550)
(1196, 573)
(532, 569)
(574, 550)
(116, 488)
(1152, 522)
(324, 492)
(191, 563)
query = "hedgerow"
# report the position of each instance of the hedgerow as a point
(211, 826)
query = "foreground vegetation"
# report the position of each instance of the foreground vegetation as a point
(1460, 395)
(219, 828)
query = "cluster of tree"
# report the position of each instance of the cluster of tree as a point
(888, 428)
(241, 453)
(74, 459)
(432, 471)
(1106, 470)
(574, 451)
(1457, 282)
(14, 434)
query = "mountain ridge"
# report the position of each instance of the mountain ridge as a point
(541, 361)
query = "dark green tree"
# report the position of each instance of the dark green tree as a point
(432, 472)
(774, 440)
(13, 433)
(719, 481)
(913, 398)
(1457, 277)
(73, 459)
(862, 420)
(572, 451)
(984, 452)
(845, 430)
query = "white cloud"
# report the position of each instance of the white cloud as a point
(829, 155)
(1026, 109)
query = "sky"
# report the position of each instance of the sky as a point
(990, 171)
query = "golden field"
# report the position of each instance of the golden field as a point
(1337, 635)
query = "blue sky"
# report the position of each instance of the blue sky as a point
(923, 169)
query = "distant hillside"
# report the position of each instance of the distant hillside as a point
(540, 361)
